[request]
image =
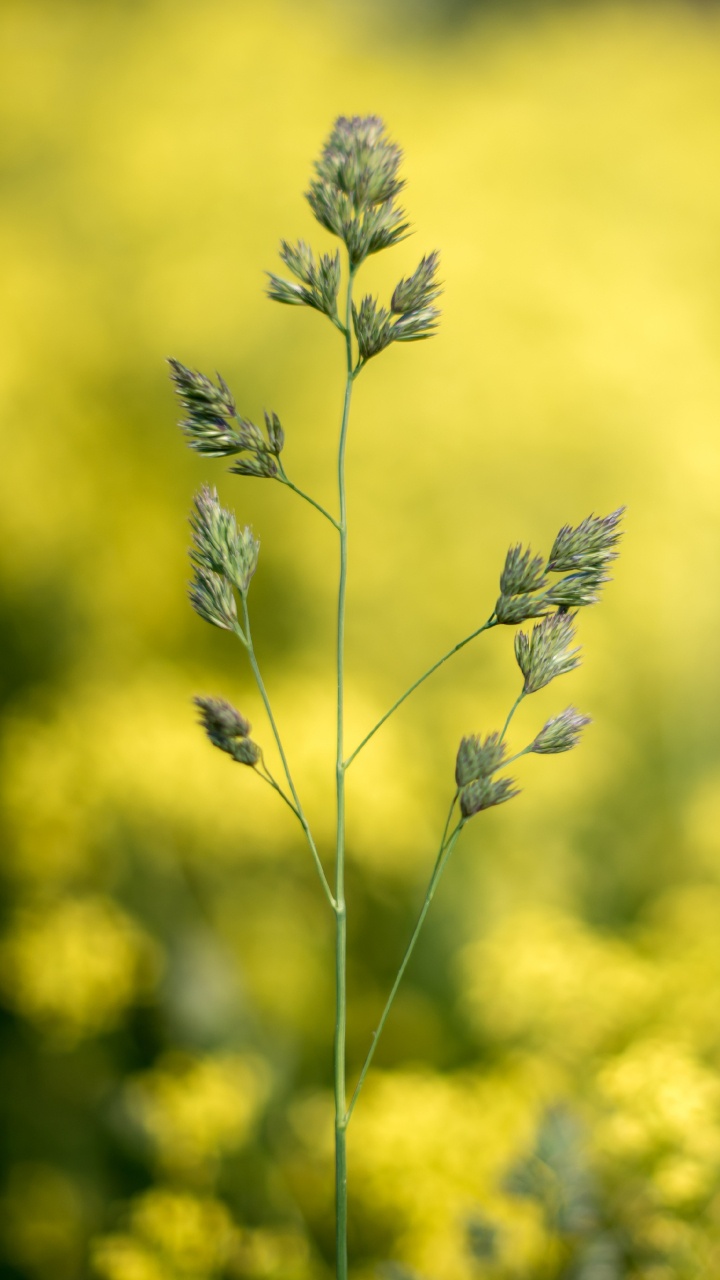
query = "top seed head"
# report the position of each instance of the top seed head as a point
(359, 159)
(357, 181)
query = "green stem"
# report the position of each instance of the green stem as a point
(511, 713)
(491, 622)
(301, 494)
(276, 734)
(340, 909)
(263, 772)
(443, 857)
(448, 820)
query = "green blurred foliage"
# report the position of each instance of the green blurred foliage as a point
(547, 1103)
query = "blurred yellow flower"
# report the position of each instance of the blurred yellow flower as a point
(273, 1254)
(665, 1102)
(195, 1110)
(120, 1257)
(172, 1235)
(543, 978)
(76, 966)
(429, 1153)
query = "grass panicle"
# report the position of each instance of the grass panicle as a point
(353, 195)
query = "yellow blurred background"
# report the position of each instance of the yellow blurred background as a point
(547, 1099)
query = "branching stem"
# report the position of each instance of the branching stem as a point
(511, 713)
(248, 641)
(306, 496)
(263, 772)
(446, 847)
(491, 622)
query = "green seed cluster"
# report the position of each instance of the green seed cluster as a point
(477, 761)
(228, 730)
(355, 185)
(224, 559)
(214, 428)
(318, 279)
(581, 554)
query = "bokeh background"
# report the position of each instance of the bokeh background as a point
(547, 1098)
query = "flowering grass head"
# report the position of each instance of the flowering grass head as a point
(228, 729)
(353, 195)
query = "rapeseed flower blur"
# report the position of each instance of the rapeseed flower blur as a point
(193, 1112)
(171, 1234)
(76, 967)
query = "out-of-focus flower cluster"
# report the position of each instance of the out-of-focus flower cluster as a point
(170, 1235)
(76, 967)
(194, 1111)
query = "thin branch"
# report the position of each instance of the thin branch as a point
(276, 733)
(263, 772)
(306, 496)
(506, 763)
(446, 849)
(511, 713)
(491, 622)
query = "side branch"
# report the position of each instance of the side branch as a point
(443, 857)
(264, 773)
(511, 713)
(276, 734)
(281, 476)
(491, 622)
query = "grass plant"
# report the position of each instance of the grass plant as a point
(354, 196)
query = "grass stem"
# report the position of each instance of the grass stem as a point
(276, 734)
(511, 713)
(340, 909)
(446, 847)
(491, 622)
(306, 496)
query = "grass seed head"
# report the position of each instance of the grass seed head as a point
(545, 653)
(561, 733)
(355, 185)
(590, 546)
(486, 793)
(227, 729)
(478, 759)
